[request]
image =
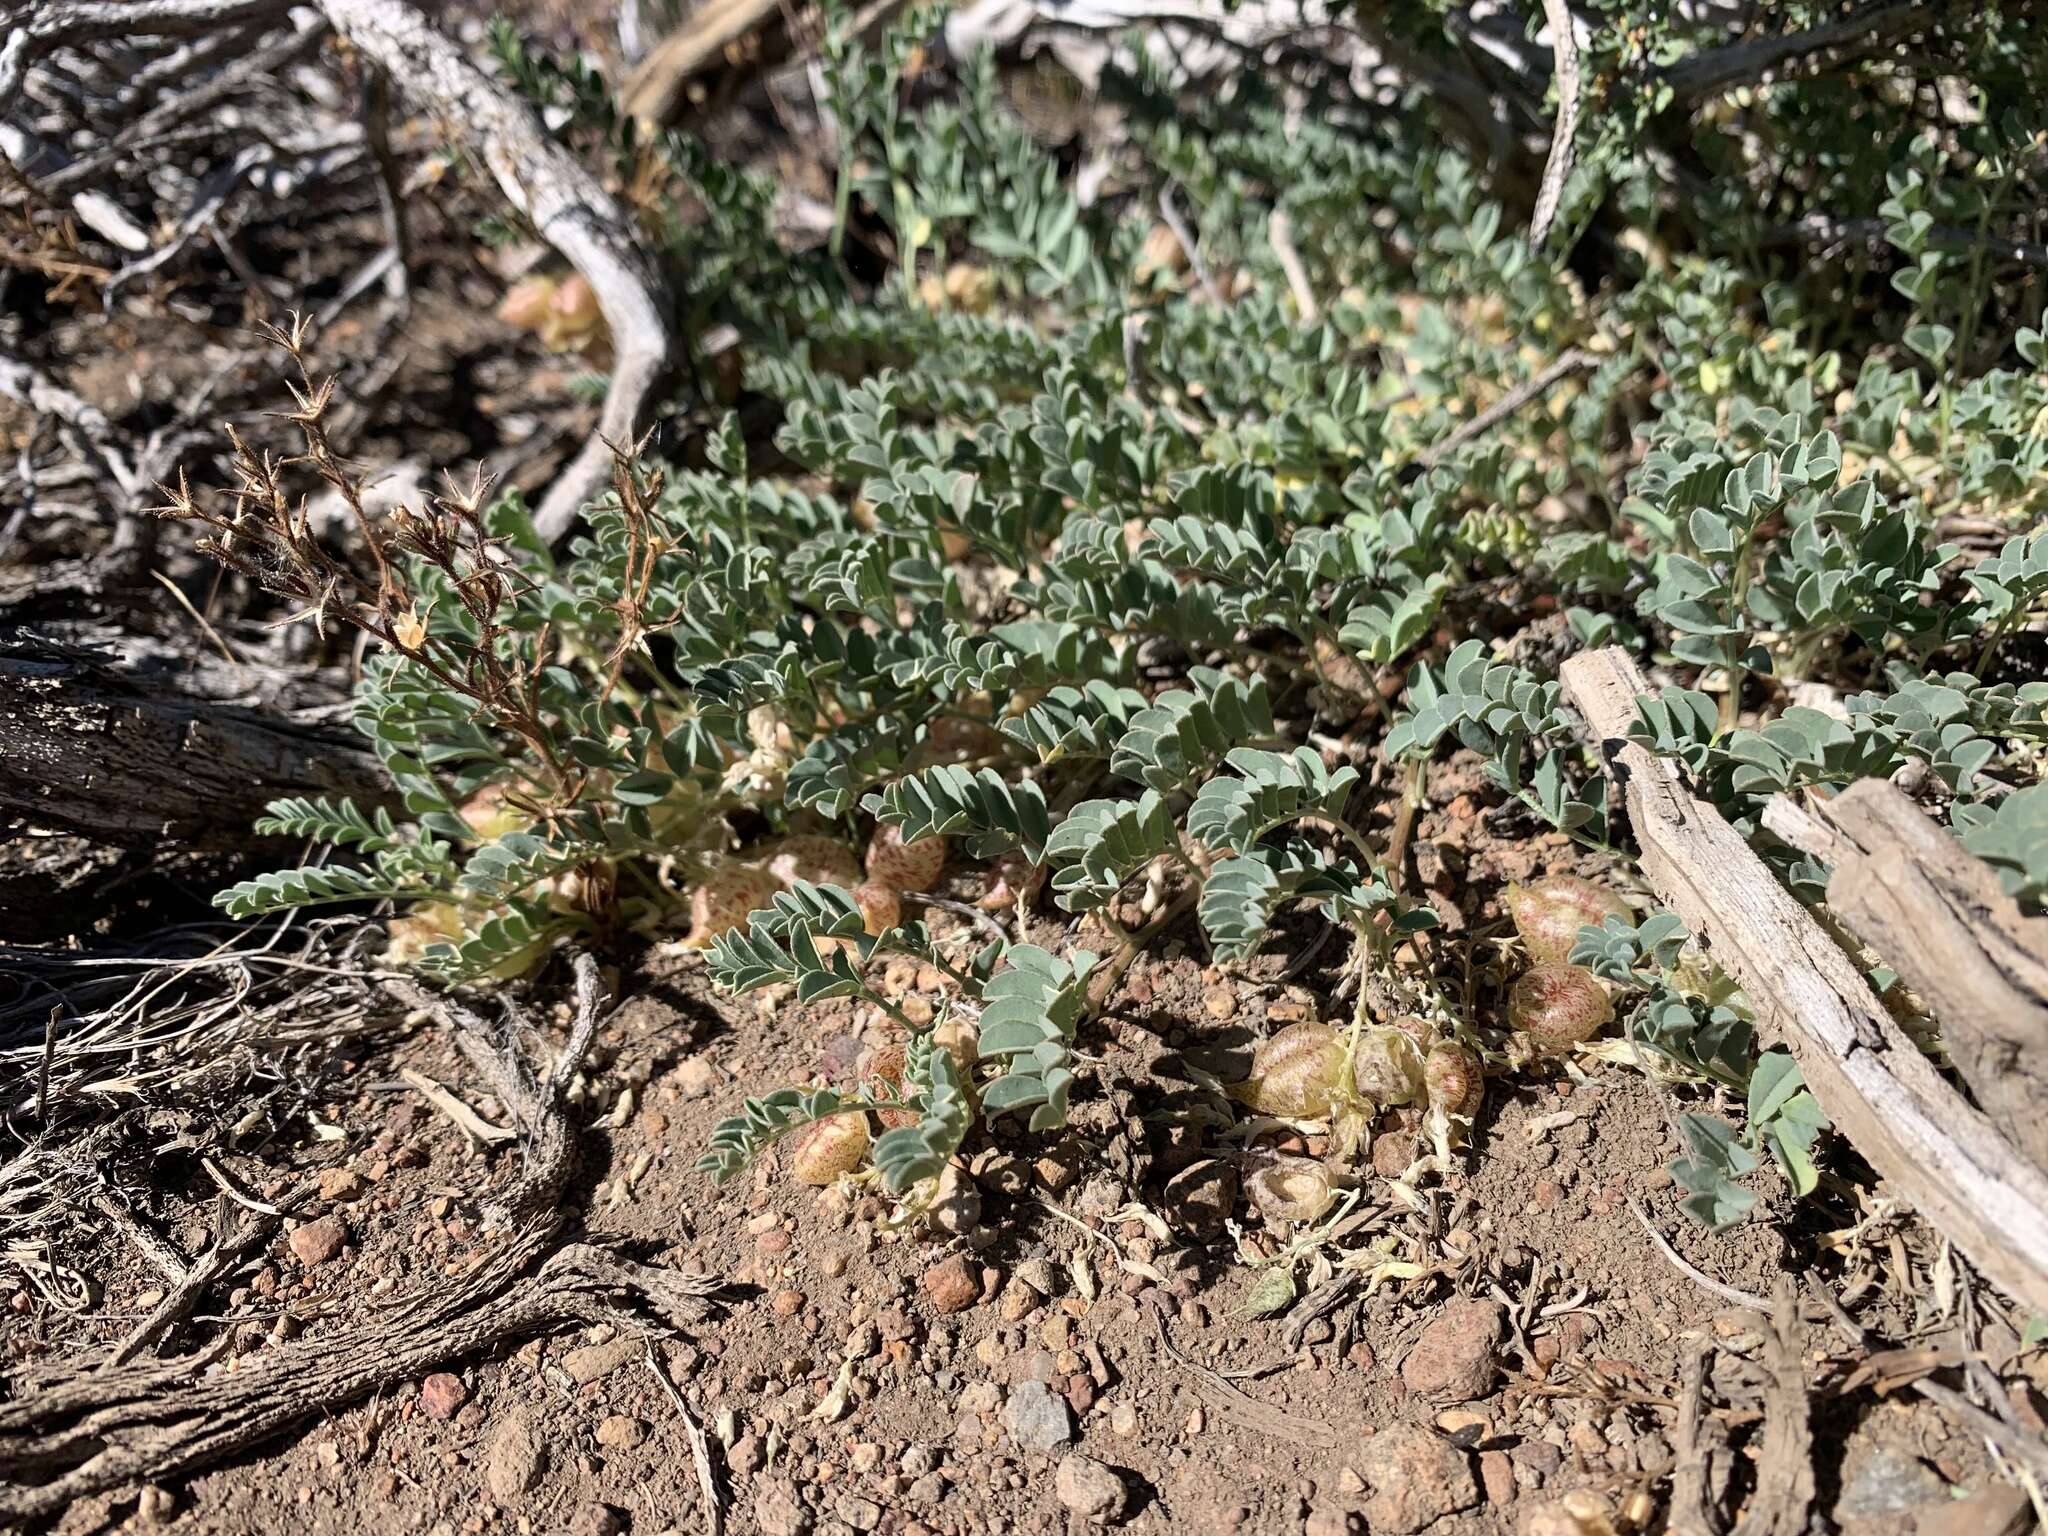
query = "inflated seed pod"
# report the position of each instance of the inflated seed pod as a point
(906, 866)
(1289, 1188)
(526, 302)
(573, 315)
(820, 860)
(825, 1149)
(1008, 878)
(958, 1037)
(881, 908)
(723, 899)
(1454, 1079)
(1549, 913)
(1296, 1073)
(431, 922)
(885, 1064)
(1559, 1006)
(1387, 1068)
(490, 814)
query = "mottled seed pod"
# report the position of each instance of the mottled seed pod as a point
(723, 899)
(825, 1149)
(409, 937)
(906, 866)
(884, 1064)
(574, 302)
(1008, 878)
(1559, 1006)
(490, 815)
(1454, 1080)
(1387, 1068)
(971, 289)
(1548, 914)
(820, 860)
(1295, 1073)
(880, 907)
(1289, 1188)
(526, 302)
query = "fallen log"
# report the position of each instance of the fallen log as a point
(137, 753)
(1936, 1151)
(1941, 919)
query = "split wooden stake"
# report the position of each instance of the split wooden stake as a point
(1936, 1151)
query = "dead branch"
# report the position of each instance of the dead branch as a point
(1918, 1133)
(1571, 361)
(92, 436)
(1565, 45)
(547, 185)
(134, 754)
(228, 1252)
(1831, 45)
(91, 1432)
(653, 92)
(32, 29)
(537, 1106)
(1784, 1463)
(1940, 919)
(95, 1432)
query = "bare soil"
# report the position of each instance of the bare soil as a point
(840, 1396)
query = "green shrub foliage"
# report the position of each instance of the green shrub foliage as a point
(1095, 565)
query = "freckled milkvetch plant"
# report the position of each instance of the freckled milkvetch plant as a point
(1154, 598)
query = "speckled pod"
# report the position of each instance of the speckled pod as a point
(906, 866)
(1549, 913)
(1388, 1066)
(1295, 1074)
(1454, 1080)
(885, 1064)
(722, 902)
(1559, 1005)
(820, 860)
(880, 907)
(825, 1149)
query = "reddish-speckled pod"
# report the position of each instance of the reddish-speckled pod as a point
(1559, 1005)
(880, 907)
(820, 860)
(723, 900)
(906, 866)
(1549, 913)
(1296, 1073)
(885, 1064)
(1455, 1080)
(825, 1149)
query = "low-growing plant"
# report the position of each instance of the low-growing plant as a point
(1096, 564)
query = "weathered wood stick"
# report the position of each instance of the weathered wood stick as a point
(572, 211)
(135, 755)
(1935, 1150)
(1939, 917)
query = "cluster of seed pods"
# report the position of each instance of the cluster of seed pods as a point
(820, 1152)
(724, 897)
(563, 313)
(1555, 1003)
